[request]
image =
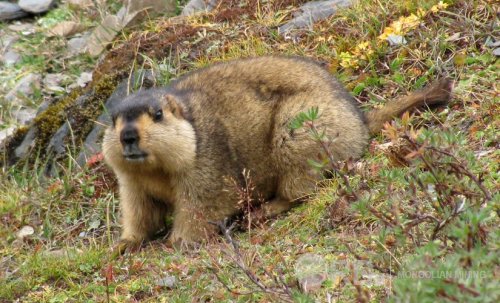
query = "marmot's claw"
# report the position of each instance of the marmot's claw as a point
(124, 246)
(182, 244)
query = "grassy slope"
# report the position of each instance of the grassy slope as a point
(75, 216)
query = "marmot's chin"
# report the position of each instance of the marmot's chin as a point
(135, 157)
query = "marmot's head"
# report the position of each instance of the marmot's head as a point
(150, 131)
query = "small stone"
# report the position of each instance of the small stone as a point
(496, 51)
(396, 39)
(53, 79)
(11, 11)
(454, 37)
(122, 13)
(65, 29)
(24, 232)
(311, 12)
(312, 283)
(7, 40)
(490, 42)
(137, 10)
(26, 145)
(62, 253)
(84, 78)
(22, 27)
(375, 279)
(24, 87)
(482, 153)
(80, 3)
(94, 224)
(24, 115)
(104, 34)
(195, 6)
(77, 45)
(4, 133)
(36, 6)
(11, 57)
(167, 281)
(310, 270)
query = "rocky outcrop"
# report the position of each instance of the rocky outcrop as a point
(196, 6)
(312, 12)
(11, 11)
(36, 6)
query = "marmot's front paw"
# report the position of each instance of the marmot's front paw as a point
(183, 242)
(125, 245)
(188, 238)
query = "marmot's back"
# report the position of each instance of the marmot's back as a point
(256, 99)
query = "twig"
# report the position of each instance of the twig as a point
(460, 166)
(283, 292)
(375, 266)
(462, 287)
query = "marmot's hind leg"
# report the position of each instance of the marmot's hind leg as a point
(293, 189)
(275, 207)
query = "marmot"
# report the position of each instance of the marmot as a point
(173, 149)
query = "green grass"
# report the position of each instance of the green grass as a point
(77, 214)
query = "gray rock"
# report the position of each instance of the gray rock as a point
(312, 283)
(57, 143)
(43, 106)
(396, 40)
(195, 6)
(26, 145)
(62, 253)
(311, 271)
(24, 115)
(24, 232)
(52, 82)
(11, 11)
(81, 3)
(167, 281)
(22, 27)
(84, 78)
(496, 51)
(6, 40)
(491, 42)
(312, 12)
(137, 10)
(77, 45)
(11, 57)
(103, 34)
(4, 133)
(24, 88)
(36, 6)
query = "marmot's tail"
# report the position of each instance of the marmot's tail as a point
(438, 92)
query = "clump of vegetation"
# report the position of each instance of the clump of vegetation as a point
(431, 209)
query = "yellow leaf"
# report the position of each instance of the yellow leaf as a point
(459, 59)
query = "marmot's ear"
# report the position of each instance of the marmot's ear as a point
(174, 106)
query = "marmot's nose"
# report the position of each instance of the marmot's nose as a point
(129, 136)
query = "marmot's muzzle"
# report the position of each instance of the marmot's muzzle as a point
(129, 137)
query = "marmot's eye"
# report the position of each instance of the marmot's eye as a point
(158, 115)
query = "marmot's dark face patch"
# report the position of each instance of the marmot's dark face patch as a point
(130, 139)
(130, 110)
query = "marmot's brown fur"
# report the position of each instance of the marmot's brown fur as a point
(174, 149)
